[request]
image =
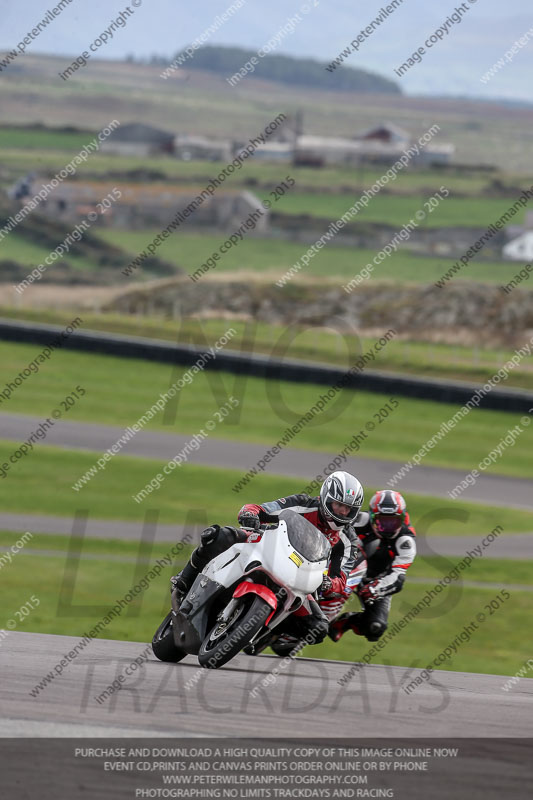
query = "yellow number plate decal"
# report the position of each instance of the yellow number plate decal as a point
(298, 560)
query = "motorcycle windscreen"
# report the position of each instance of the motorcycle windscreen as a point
(307, 540)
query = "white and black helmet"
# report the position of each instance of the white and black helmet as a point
(341, 487)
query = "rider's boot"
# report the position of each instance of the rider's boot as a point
(346, 622)
(309, 629)
(285, 644)
(182, 582)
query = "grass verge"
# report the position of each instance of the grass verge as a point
(201, 494)
(498, 647)
(119, 391)
(322, 345)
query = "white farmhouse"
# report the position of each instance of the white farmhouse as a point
(520, 249)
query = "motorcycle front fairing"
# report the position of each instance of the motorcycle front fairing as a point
(275, 555)
(294, 556)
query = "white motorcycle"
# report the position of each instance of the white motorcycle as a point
(244, 594)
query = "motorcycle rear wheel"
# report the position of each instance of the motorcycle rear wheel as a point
(222, 644)
(163, 643)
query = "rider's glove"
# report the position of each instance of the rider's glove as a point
(327, 585)
(369, 592)
(249, 519)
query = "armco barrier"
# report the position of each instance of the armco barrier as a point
(457, 392)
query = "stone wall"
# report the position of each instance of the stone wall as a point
(462, 312)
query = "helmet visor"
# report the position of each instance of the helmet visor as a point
(341, 512)
(387, 524)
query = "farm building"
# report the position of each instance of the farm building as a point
(520, 249)
(198, 148)
(434, 154)
(324, 150)
(136, 139)
(383, 144)
(386, 133)
(386, 142)
(281, 152)
(148, 205)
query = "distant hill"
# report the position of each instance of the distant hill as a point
(226, 61)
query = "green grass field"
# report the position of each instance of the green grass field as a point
(97, 584)
(481, 570)
(317, 344)
(323, 345)
(397, 211)
(120, 549)
(190, 250)
(22, 146)
(121, 390)
(44, 139)
(182, 496)
(16, 247)
(498, 647)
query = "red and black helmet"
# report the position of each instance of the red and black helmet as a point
(388, 512)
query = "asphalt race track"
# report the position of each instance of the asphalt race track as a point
(305, 464)
(305, 697)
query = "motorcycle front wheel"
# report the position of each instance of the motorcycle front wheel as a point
(163, 643)
(225, 640)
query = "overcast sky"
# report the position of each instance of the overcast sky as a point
(453, 66)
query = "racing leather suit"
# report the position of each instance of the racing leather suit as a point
(388, 560)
